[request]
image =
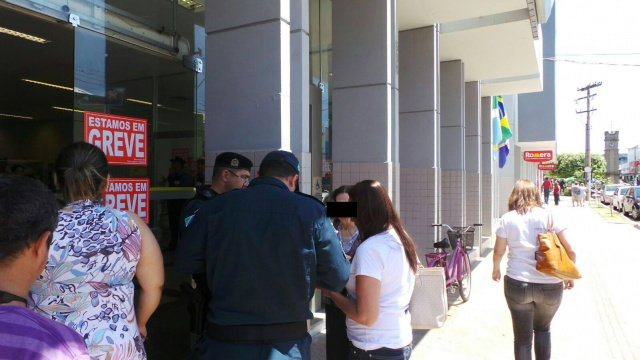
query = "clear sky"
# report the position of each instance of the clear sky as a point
(584, 30)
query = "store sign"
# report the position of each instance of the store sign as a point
(538, 156)
(546, 167)
(123, 139)
(129, 195)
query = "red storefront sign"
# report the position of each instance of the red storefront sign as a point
(123, 139)
(546, 167)
(538, 156)
(129, 195)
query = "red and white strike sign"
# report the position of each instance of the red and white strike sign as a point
(123, 139)
(546, 167)
(129, 195)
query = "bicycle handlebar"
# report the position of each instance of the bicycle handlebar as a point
(451, 229)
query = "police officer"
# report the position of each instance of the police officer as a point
(231, 171)
(264, 249)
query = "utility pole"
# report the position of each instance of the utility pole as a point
(587, 152)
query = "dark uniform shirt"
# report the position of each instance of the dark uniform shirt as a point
(264, 249)
(203, 194)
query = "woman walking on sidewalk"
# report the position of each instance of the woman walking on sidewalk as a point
(533, 297)
(556, 193)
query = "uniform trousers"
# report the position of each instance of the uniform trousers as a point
(299, 349)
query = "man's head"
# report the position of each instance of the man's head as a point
(282, 165)
(546, 178)
(28, 216)
(231, 171)
(177, 164)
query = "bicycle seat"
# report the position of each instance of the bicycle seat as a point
(442, 244)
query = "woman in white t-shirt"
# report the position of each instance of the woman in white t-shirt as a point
(382, 279)
(533, 297)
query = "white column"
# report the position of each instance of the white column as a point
(365, 84)
(419, 134)
(300, 90)
(487, 169)
(452, 145)
(248, 78)
(473, 155)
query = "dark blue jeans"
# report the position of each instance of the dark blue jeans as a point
(380, 354)
(532, 307)
(546, 195)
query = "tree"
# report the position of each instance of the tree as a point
(572, 165)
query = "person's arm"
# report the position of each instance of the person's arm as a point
(364, 311)
(499, 250)
(189, 256)
(333, 268)
(563, 237)
(150, 275)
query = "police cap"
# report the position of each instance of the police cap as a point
(284, 156)
(233, 160)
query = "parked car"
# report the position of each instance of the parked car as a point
(618, 197)
(607, 194)
(632, 202)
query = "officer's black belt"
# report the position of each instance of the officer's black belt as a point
(257, 334)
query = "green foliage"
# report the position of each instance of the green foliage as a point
(572, 165)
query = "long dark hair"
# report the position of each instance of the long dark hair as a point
(81, 170)
(376, 214)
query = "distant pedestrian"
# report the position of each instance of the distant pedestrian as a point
(575, 194)
(28, 217)
(547, 185)
(533, 297)
(556, 193)
(583, 193)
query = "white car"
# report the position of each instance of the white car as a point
(618, 197)
(607, 194)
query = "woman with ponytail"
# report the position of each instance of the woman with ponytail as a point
(382, 279)
(95, 253)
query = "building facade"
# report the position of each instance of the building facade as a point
(395, 91)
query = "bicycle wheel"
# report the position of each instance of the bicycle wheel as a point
(465, 283)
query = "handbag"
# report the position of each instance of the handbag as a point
(428, 306)
(552, 258)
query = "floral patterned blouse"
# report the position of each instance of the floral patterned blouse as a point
(87, 282)
(349, 245)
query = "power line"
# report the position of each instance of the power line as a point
(590, 62)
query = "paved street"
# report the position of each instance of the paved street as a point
(599, 319)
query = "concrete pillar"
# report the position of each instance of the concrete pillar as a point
(248, 75)
(473, 156)
(452, 142)
(419, 134)
(300, 91)
(487, 168)
(365, 85)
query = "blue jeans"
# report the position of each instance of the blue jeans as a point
(546, 195)
(532, 307)
(299, 349)
(380, 354)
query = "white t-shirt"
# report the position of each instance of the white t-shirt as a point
(382, 257)
(521, 232)
(583, 190)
